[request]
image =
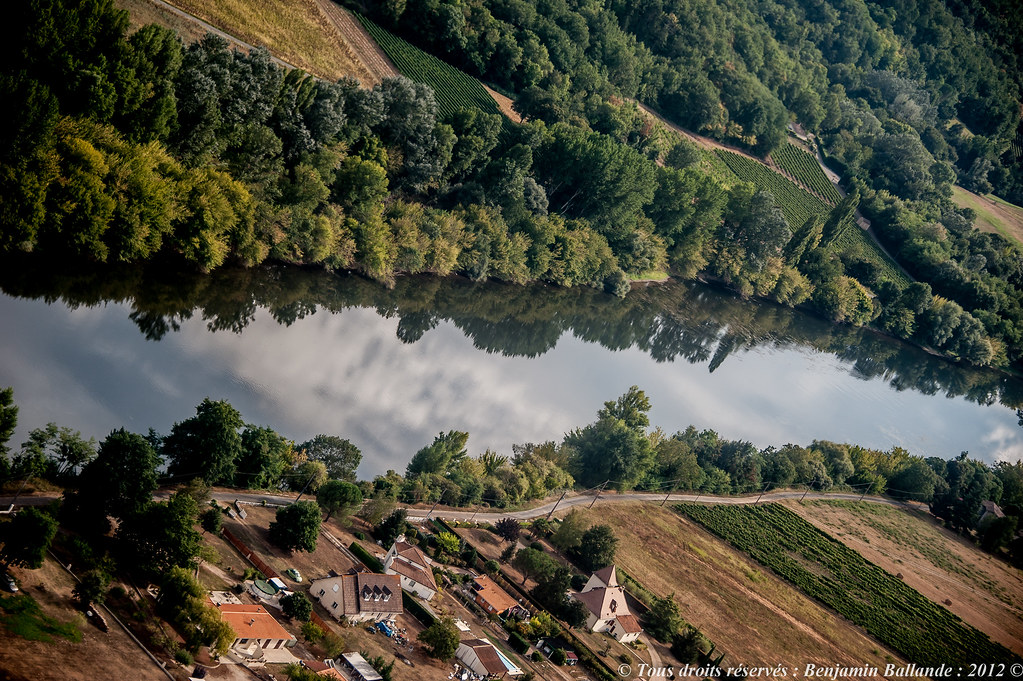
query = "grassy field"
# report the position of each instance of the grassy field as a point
(750, 614)
(831, 572)
(43, 637)
(984, 591)
(294, 30)
(993, 214)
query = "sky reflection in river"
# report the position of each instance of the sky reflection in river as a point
(348, 374)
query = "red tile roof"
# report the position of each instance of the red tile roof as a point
(253, 621)
(492, 594)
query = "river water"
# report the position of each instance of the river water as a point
(309, 352)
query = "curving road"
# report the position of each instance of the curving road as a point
(570, 500)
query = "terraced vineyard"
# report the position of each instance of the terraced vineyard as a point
(453, 88)
(803, 166)
(842, 579)
(797, 205)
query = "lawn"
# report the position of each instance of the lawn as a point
(993, 214)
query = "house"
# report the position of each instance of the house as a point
(360, 597)
(492, 598)
(254, 627)
(604, 598)
(413, 567)
(989, 511)
(355, 667)
(482, 658)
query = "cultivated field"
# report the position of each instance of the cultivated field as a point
(984, 591)
(827, 570)
(752, 616)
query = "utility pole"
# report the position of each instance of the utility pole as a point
(473, 517)
(597, 495)
(670, 490)
(866, 488)
(431, 509)
(556, 504)
(762, 490)
(804, 492)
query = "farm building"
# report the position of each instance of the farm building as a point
(362, 597)
(413, 567)
(608, 611)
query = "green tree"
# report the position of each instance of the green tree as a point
(297, 606)
(340, 456)
(533, 563)
(392, 526)
(212, 520)
(92, 587)
(840, 218)
(338, 496)
(440, 638)
(8, 419)
(262, 459)
(161, 536)
(968, 483)
(664, 619)
(447, 449)
(570, 530)
(597, 548)
(26, 538)
(448, 543)
(64, 450)
(296, 526)
(915, 481)
(207, 445)
(119, 482)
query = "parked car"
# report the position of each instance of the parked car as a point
(9, 583)
(294, 574)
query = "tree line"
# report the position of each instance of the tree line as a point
(133, 148)
(617, 451)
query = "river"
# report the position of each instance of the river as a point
(309, 352)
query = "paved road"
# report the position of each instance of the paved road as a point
(570, 500)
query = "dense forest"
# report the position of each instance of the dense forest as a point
(124, 148)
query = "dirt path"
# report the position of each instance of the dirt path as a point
(363, 47)
(504, 104)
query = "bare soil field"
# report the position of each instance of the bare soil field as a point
(984, 591)
(111, 655)
(752, 616)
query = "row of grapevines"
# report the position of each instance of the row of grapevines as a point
(796, 204)
(842, 579)
(805, 169)
(454, 89)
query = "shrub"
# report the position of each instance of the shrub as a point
(558, 657)
(312, 632)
